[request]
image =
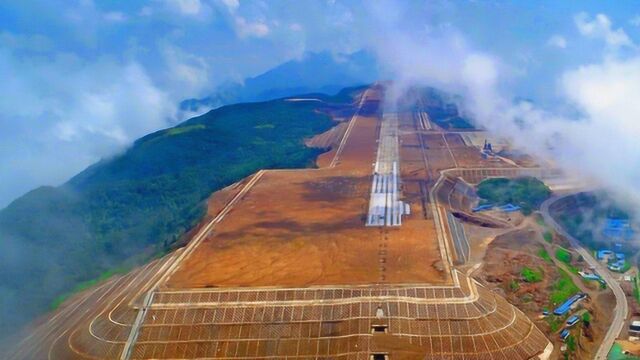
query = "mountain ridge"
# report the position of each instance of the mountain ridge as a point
(320, 72)
(121, 211)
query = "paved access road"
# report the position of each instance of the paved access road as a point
(621, 309)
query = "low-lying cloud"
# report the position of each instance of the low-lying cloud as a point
(62, 113)
(599, 140)
(102, 76)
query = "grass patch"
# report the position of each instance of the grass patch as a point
(86, 285)
(514, 285)
(573, 269)
(183, 129)
(547, 236)
(563, 255)
(526, 192)
(563, 288)
(571, 343)
(530, 275)
(545, 255)
(616, 354)
(554, 323)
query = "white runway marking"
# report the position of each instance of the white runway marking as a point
(384, 207)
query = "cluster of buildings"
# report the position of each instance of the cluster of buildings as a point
(616, 261)
(618, 229)
(564, 309)
(572, 320)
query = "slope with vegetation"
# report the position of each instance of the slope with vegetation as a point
(122, 211)
(526, 192)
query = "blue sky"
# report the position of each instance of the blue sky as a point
(83, 79)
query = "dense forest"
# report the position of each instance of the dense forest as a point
(526, 192)
(127, 209)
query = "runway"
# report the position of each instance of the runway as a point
(384, 207)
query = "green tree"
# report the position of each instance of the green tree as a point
(571, 343)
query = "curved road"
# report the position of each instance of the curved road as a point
(621, 310)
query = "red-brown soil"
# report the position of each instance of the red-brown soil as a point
(306, 227)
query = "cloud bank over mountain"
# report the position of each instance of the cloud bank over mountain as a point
(597, 140)
(84, 78)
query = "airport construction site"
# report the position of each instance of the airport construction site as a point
(365, 257)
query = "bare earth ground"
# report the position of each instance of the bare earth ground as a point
(304, 227)
(504, 259)
(328, 138)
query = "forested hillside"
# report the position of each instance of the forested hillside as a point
(124, 210)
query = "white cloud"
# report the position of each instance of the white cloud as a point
(601, 144)
(635, 21)
(35, 43)
(187, 7)
(295, 27)
(246, 28)
(231, 5)
(604, 143)
(188, 73)
(557, 41)
(146, 11)
(608, 92)
(600, 28)
(72, 113)
(114, 16)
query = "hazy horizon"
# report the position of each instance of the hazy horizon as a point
(87, 78)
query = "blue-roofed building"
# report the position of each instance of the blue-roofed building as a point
(595, 277)
(564, 334)
(482, 208)
(618, 229)
(617, 266)
(509, 208)
(590, 276)
(620, 256)
(573, 320)
(604, 253)
(567, 305)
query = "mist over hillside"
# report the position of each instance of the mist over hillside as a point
(122, 211)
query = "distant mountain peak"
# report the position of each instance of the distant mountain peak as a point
(313, 72)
